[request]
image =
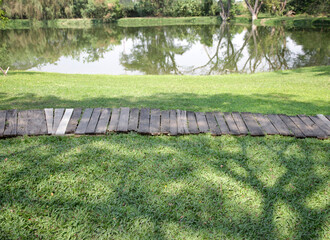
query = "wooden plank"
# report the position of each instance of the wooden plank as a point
(2, 121)
(22, 123)
(49, 112)
(180, 122)
(302, 126)
(57, 118)
(73, 123)
(81, 129)
(11, 123)
(328, 117)
(155, 122)
(173, 123)
(123, 120)
(240, 123)
(192, 123)
(184, 121)
(102, 125)
(114, 120)
(165, 122)
(37, 124)
(231, 124)
(93, 121)
(279, 125)
(292, 126)
(221, 123)
(133, 120)
(214, 129)
(266, 124)
(316, 130)
(144, 121)
(64, 122)
(321, 124)
(324, 119)
(252, 125)
(201, 122)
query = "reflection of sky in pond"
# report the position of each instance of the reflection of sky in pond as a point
(196, 50)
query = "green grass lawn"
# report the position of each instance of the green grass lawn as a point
(301, 91)
(127, 186)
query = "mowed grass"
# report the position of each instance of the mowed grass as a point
(127, 186)
(138, 187)
(301, 91)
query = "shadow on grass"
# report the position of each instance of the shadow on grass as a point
(263, 103)
(131, 186)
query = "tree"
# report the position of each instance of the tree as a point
(225, 10)
(276, 7)
(2, 13)
(254, 8)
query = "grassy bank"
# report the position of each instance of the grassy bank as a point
(58, 23)
(140, 22)
(190, 187)
(301, 91)
(264, 20)
(296, 21)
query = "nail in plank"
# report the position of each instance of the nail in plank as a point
(266, 124)
(11, 126)
(231, 124)
(133, 121)
(155, 122)
(165, 122)
(73, 123)
(93, 121)
(252, 125)
(114, 120)
(81, 129)
(64, 122)
(192, 123)
(49, 112)
(240, 123)
(102, 125)
(292, 126)
(144, 123)
(214, 129)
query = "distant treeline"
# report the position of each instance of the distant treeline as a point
(115, 9)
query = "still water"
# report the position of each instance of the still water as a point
(194, 50)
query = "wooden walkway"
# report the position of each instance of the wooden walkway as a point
(96, 121)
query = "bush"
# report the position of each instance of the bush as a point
(185, 8)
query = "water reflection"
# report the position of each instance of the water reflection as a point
(197, 50)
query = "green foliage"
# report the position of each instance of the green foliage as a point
(185, 8)
(311, 7)
(3, 17)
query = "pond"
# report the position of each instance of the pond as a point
(191, 50)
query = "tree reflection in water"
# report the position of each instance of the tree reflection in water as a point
(197, 50)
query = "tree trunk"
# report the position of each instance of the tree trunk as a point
(254, 10)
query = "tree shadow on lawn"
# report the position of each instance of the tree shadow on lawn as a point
(225, 102)
(133, 186)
